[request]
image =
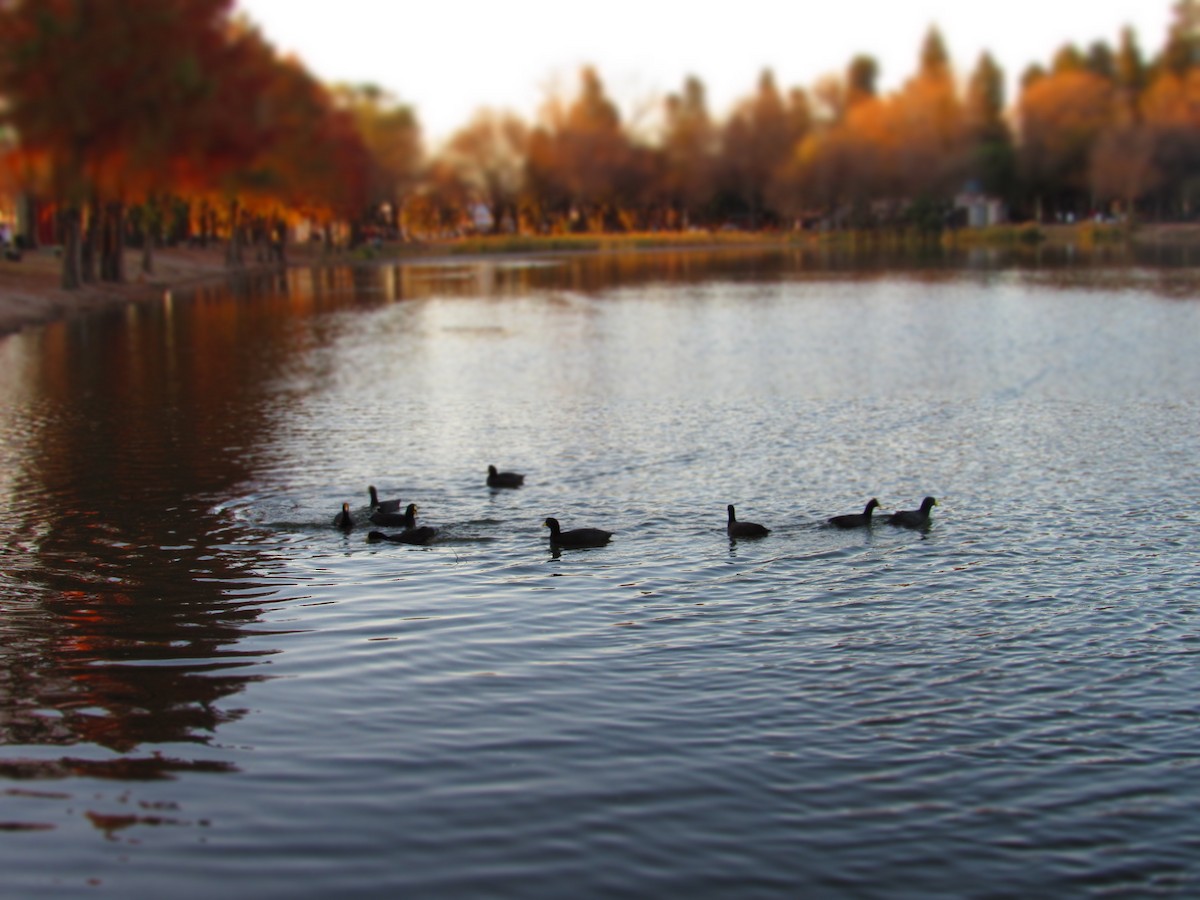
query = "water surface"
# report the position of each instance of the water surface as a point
(203, 685)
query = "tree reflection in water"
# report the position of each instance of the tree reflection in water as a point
(126, 598)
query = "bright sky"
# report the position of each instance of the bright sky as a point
(448, 58)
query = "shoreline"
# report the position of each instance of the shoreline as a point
(30, 295)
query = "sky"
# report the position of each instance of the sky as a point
(449, 58)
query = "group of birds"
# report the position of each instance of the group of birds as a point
(389, 513)
(903, 518)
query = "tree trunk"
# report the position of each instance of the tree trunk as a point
(279, 242)
(112, 243)
(204, 224)
(88, 249)
(151, 225)
(28, 218)
(233, 253)
(72, 262)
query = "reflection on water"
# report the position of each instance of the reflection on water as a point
(201, 679)
(123, 605)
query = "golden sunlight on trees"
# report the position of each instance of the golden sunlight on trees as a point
(97, 96)
(173, 100)
(1169, 131)
(1061, 116)
(178, 120)
(929, 134)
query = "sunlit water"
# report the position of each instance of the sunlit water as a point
(205, 688)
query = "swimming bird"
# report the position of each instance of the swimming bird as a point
(738, 529)
(856, 520)
(387, 506)
(412, 534)
(913, 518)
(342, 520)
(504, 479)
(390, 516)
(576, 537)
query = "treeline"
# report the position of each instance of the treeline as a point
(176, 119)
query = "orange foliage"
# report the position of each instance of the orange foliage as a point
(1061, 117)
(181, 98)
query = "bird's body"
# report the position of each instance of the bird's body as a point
(412, 534)
(913, 518)
(391, 516)
(504, 479)
(343, 520)
(416, 536)
(576, 537)
(383, 506)
(856, 520)
(737, 529)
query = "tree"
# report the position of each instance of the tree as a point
(925, 133)
(489, 157)
(689, 148)
(101, 95)
(1102, 60)
(392, 136)
(992, 161)
(757, 141)
(1123, 165)
(935, 60)
(579, 159)
(1068, 59)
(1182, 50)
(1061, 117)
(1170, 113)
(862, 76)
(1129, 74)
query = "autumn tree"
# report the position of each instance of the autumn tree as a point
(579, 159)
(689, 147)
(391, 134)
(1182, 50)
(1124, 163)
(489, 155)
(834, 166)
(1170, 117)
(438, 207)
(1061, 116)
(1130, 74)
(928, 136)
(756, 142)
(271, 141)
(862, 77)
(100, 95)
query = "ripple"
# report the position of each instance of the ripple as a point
(1006, 699)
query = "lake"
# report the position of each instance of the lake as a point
(206, 687)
